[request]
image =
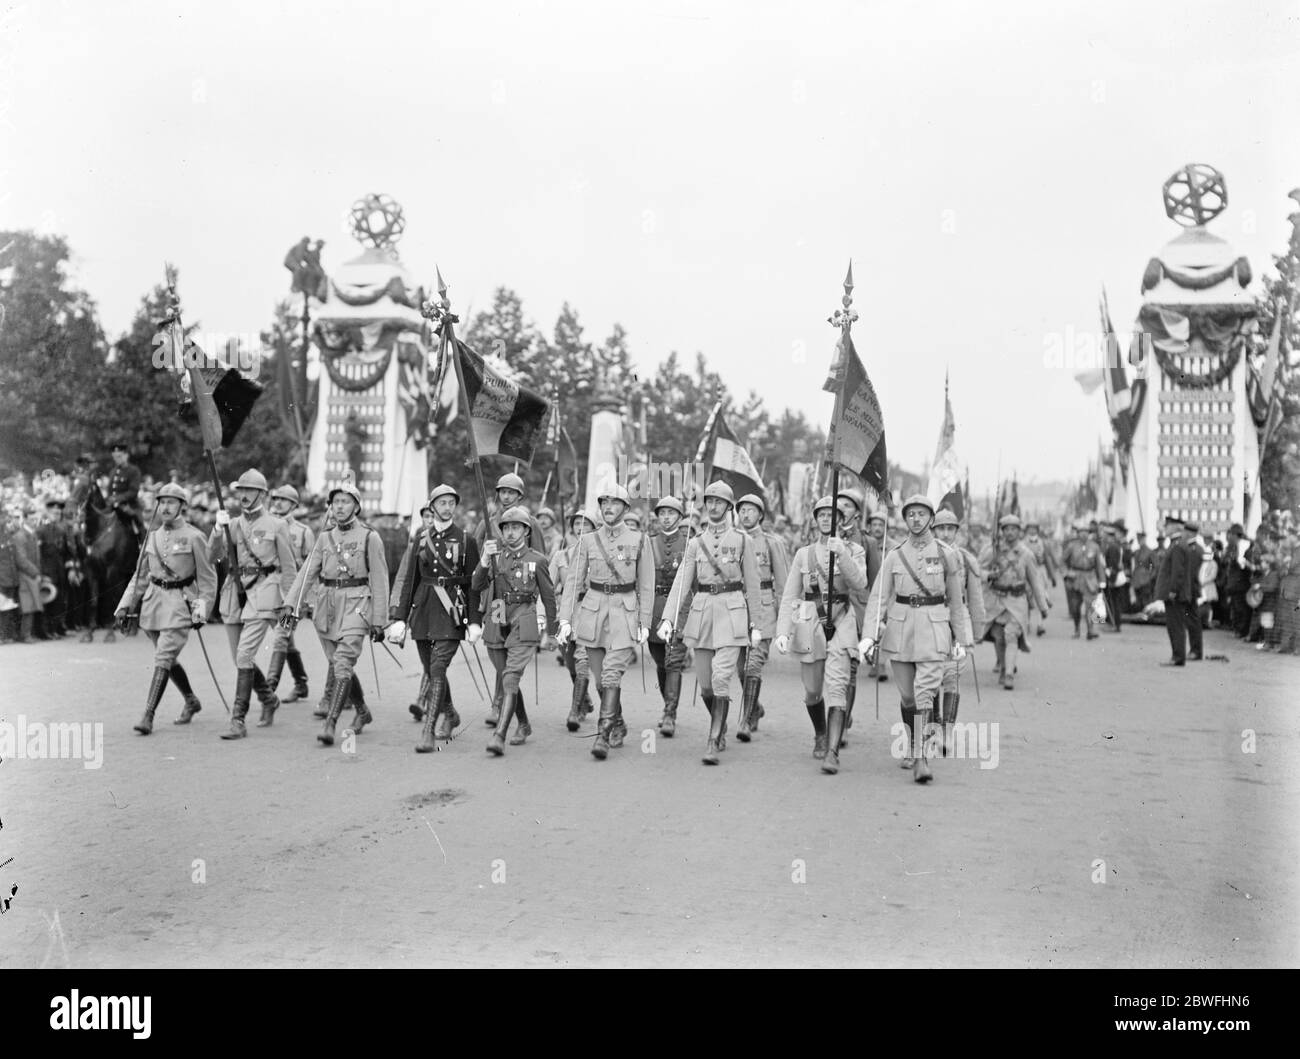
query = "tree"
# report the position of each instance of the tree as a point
(1280, 462)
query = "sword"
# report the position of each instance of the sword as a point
(199, 632)
(975, 672)
(643, 691)
(479, 660)
(375, 665)
(390, 654)
(465, 658)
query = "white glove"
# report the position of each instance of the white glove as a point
(783, 644)
(864, 648)
(490, 548)
(223, 517)
(566, 630)
(397, 632)
(665, 630)
(958, 652)
(642, 634)
(198, 612)
(473, 632)
(835, 545)
(755, 637)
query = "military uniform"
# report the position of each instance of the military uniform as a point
(1011, 590)
(1045, 563)
(773, 570)
(973, 597)
(668, 550)
(572, 653)
(124, 493)
(172, 591)
(513, 580)
(57, 556)
(1084, 573)
(608, 595)
(283, 648)
(807, 602)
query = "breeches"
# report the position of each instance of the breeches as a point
(609, 665)
(167, 644)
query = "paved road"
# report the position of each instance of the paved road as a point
(183, 850)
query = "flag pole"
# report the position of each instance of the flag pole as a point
(843, 320)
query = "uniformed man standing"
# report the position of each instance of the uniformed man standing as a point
(668, 547)
(876, 524)
(721, 570)
(809, 602)
(264, 566)
(946, 529)
(1085, 572)
(1112, 551)
(551, 536)
(918, 617)
(612, 571)
(350, 576)
(773, 570)
(57, 557)
(174, 595)
(1011, 589)
(435, 602)
(850, 505)
(282, 503)
(124, 488)
(1046, 562)
(572, 654)
(513, 577)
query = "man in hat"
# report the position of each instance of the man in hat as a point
(283, 502)
(171, 591)
(1085, 572)
(773, 570)
(1144, 571)
(261, 571)
(124, 487)
(1011, 590)
(668, 548)
(513, 577)
(18, 571)
(946, 529)
(551, 535)
(573, 656)
(720, 569)
(818, 621)
(918, 616)
(612, 572)
(850, 529)
(1237, 581)
(876, 525)
(56, 548)
(1045, 562)
(349, 574)
(434, 600)
(1112, 552)
(1194, 546)
(1174, 589)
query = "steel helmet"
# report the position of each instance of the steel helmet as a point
(672, 503)
(547, 512)
(174, 491)
(511, 481)
(1009, 520)
(755, 499)
(442, 490)
(946, 518)
(285, 492)
(824, 504)
(252, 479)
(614, 491)
(590, 518)
(878, 516)
(350, 489)
(722, 491)
(633, 516)
(517, 515)
(852, 494)
(918, 500)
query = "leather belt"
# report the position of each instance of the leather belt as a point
(612, 588)
(173, 584)
(838, 597)
(345, 582)
(518, 597)
(1014, 590)
(444, 581)
(765, 584)
(718, 587)
(922, 601)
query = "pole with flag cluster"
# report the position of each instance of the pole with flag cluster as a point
(843, 319)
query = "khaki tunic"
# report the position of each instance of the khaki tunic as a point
(604, 619)
(260, 542)
(773, 572)
(184, 551)
(798, 618)
(920, 633)
(339, 612)
(1009, 567)
(720, 619)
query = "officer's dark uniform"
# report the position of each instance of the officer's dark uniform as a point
(667, 550)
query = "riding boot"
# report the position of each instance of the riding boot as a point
(509, 703)
(430, 692)
(243, 693)
(182, 681)
(266, 694)
(156, 688)
(363, 716)
(522, 728)
(909, 719)
(338, 699)
(418, 707)
(748, 709)
(921, 768)
(835, 721)
(605, 725)
(574, 720)
(274, 670)
(717, 729)
(25, 628)
(817, 714)
(672, 693)
(1009, 666)
(948, 715)
(448, 720)
(494, 714)
(618, 732)
(1000, 650)
(299, 671)
(327, 696)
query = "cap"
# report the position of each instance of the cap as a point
(918, 500)
(1173, 518)
(171, 489)
(1236, 528)
(721, 491)
(251, 479)
(755, 499)
(613, 491)
(517, 515)
(55, 501)
(946, 518)
(1009, 520)
(670, 502)
(284, 492)
(511, 481)
(633, 517)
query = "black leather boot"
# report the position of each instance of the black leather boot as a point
(574, 721)
(835, 720)
(323, 707)
(192, 705)
(522, 728)
(266, 696)
(494, 712)
(420, 705)
(363, 716)
(672, 691)
(948, 717)
(274, 669)
(338, 699)
(156, 688)
(909, 719)
(605, 724)
(508, 705)
(850, 697)
(619, 730)
(717, 728)
(243, 695)
(448, 718)
(748, 709)
(817, 714)
(430, 693)
(299, 671)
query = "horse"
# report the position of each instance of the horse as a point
(112, 550)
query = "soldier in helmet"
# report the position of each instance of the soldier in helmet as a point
(946, 529)
(877, 521)
(606, 607)
(818, 621)
(261, 572)
(1011, 589)
(1084, 574)
(849, 527)
(572, 654)
(435, 600)
(1046, 564)
(350, 576)
(720, 570)
(514, 577)
(283, 502)
(175, 595)
(773, 570)
(551, 535)
(667, 548)
(918, 617)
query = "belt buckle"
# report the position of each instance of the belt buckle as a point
(914, 601)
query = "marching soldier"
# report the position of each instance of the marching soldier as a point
(552, 538)
(435, 602)
(1046, 564)
(174, 596)
(721, 570)
(282, 503)
(1084, 574)
(612, 573)
(773, 570)
(946, 530)
(264, 565)
(917, 604)
(1011, 589)
(667, 547)
(876, 524)
(572, 654)
(350, 575)
(850, 505)
(809, 603)
(514, 577)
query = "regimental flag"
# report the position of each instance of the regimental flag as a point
(507, 419)
(726, 459)
(1273, 384)
(857, 433)
(211, 392)
(945, 475)
(1119, 399)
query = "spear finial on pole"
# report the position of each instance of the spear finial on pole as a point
(845, 317)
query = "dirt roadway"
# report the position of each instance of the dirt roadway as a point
(313, 857)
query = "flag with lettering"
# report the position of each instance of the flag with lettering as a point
(857, 433)
(507, 419)
(727, 460)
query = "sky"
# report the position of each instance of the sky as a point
(701, 173)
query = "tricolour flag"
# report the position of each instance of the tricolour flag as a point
(1119, 400)
(507, 419)
(857, 433)
(726, 459)
(217, 395)
(945, 475)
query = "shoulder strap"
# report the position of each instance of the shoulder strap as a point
(709, 556)
(157, 554)
(910, 572)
